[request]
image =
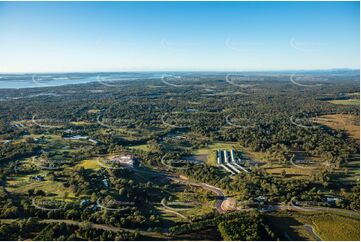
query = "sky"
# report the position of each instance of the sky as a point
(178, 36)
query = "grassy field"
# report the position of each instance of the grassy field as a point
(353, 94)
(288, 228)
(259, 157)
(189, 201)
(355, 102)
(80, 123)
(20, 184)
(145, 147)
(89, 164)
(291, 226)
(47, 138)
(291, 172)
(93, 111)
(334, 227)
(353, 171)
(210, 151)
(50, 187)
(197, 200)
(348, 123)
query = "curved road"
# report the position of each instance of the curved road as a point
(97, 226)
(269, 208)
(220, 199)
(219, 193)
(312, 231)
(171, 210)
(323, 209)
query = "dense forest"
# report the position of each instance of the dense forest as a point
(69, 125)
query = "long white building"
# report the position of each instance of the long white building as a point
(228, 161)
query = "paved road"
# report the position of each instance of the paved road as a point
(220, 199)
(171, 210)
(268, 208)
(220, 194)
(312, 231)
(298, 166)
(293, 207)
(323, 209)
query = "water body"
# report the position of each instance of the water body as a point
(17, 81)
(27, 81)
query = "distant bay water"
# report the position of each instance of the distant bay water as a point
(17, 81)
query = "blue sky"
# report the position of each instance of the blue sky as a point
(214, 36)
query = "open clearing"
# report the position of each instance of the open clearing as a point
(335, 227)
(144, 147)
(301, 168)
(349, 123)
(355, 102)
(327, 226)
(22, 184)
(210, 150)
(291, 172)
(89, 164)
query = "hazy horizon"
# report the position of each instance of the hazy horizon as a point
(185, 71)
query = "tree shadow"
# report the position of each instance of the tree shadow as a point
(285, 227)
